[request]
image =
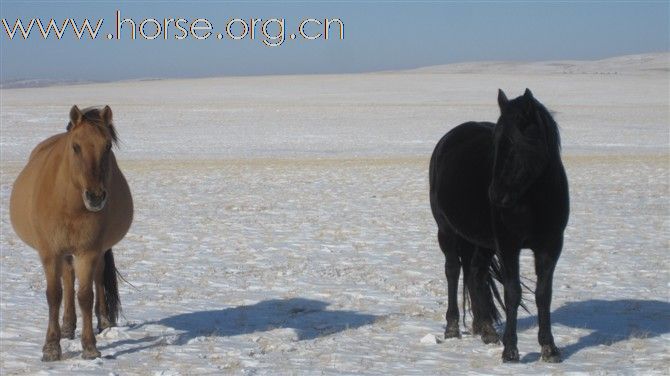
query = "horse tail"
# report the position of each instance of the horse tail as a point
(111, 287)
(496, 274)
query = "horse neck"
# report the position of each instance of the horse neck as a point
(555, 161)
(553, 172)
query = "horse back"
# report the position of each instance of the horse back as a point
(460, 173)
(45, 145)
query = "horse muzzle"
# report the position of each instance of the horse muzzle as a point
(505, 202)
(500, 199)
(95, 201)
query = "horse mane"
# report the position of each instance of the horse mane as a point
(551, 127)
(93, 115)
(530, 132)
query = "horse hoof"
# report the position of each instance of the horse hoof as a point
(67, 332)
(51, 352)
(452, 333)
(510, 356)
(490, 337)
(104, 323)
(551, 354)
(487, 331)
(90, 353)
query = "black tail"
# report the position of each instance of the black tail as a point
(496, 274)
(487, 299)
(111, 288)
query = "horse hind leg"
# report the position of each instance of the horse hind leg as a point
(69, 312)
(107, 303)
(100, 300)
(452, 268)
(52, 270)
(480, 287)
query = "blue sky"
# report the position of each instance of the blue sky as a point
(378, 35)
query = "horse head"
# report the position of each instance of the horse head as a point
(523, 139)
(91, 136)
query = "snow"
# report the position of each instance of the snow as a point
(282, 224)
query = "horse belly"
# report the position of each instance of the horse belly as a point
(19, 208)
(467, 208)
(463, 175)
(120, 210)
(21, 205)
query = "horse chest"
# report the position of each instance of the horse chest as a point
(77, 233)
(518, 223)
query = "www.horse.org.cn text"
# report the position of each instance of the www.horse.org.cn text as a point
(272, 32)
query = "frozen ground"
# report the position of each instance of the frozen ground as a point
(282, 224)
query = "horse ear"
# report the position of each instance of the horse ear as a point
(502, 99)
(75, 117)
(107, 115)
(528, 94)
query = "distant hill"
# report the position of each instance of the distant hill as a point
(629, 64)
(39, 82)
(643, 64)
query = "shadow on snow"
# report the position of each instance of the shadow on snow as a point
(309, 318)
(609, 321)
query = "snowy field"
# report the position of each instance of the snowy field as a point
(282, 223)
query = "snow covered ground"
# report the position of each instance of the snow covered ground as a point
(282, 223)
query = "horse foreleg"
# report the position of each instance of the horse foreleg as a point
(85, 266)
(545, 262)
(69, 313)
(510, 260)
(52, 270)
(452, 269)
(100, 300)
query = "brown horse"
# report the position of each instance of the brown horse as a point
(72, 204)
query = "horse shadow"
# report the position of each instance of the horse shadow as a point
(609, 322)
(307, 317)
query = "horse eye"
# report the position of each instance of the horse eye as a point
(76, 148)
(108, 147)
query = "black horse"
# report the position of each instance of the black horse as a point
(495, 189)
